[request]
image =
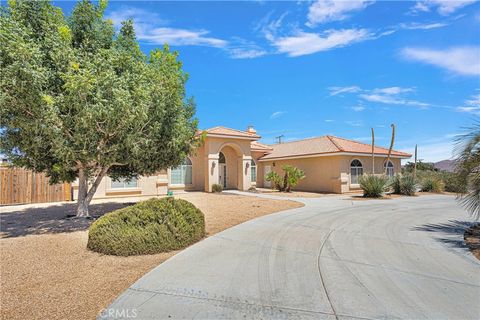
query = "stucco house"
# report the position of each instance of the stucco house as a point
(236, 160)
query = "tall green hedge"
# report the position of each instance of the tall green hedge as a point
(148, 227)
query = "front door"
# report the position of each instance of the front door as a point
(266, 170)
(222, 175)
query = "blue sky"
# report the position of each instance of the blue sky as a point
(310, 68)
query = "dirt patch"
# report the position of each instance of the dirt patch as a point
(47, 272)
(472, 239)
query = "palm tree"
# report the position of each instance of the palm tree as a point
(468, 168)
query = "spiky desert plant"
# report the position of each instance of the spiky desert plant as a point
(373, 186)
(468, 168)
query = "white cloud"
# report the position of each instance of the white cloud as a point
(329, 120)
(472, 105)
(432, 152)
(332, 10)
(422, 26)
(304, 43)
(338, 90)
(358, 108)
(150, 27)
(242, 53)
(181, 37)
(391, 99)
(459, 60)
(277, 114)
(444, 7)
(392, 90)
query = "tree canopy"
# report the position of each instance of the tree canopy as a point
(79, 100)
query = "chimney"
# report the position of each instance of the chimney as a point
(251, 129)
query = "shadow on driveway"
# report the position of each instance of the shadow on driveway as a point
(450, 233)
(55, 218)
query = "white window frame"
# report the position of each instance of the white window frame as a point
(253, 171)
(124, 182)
(184, 167)
(390, 169)
(358, 169)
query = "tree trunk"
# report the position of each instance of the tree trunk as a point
(85, 195)
(82, 206)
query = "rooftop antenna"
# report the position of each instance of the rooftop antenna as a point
(279, 138)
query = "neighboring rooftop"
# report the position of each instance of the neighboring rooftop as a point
(326, 145)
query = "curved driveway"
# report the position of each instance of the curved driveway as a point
(334, 258)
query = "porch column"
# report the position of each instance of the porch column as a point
(211, 171)
(244, 172)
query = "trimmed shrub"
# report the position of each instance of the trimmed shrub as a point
(373, 186)
(148, 227)
(217, 187)
(432, 184)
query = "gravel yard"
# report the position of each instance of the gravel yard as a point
(47, 272)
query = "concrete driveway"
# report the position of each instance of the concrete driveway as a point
(332, 259)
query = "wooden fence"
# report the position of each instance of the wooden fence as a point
(24, 186)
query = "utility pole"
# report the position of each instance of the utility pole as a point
(279, 138)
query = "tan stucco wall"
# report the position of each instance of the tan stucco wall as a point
(326, 174)
(146, 186)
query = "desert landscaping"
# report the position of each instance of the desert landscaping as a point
(45, 260)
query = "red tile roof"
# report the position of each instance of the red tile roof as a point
(223, 131)
(326, 145)
(257, 146)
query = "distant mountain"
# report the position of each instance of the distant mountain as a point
(445, 165)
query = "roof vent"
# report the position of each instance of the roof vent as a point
(251, 129)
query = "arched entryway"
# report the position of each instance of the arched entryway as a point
(229, 167)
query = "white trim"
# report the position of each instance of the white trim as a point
(332, 154)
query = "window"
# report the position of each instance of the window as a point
(221, 158)
(124, 184)
(182, 174)
(253, 174)
(356, 170)
(389, 167)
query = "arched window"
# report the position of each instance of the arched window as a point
(390, 168)
(182, 174)
(356, 170)
(253, 173)
(221, 158)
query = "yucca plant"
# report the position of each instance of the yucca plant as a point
(408, 185)
(405, 185)
(373, 186)
(468, 169)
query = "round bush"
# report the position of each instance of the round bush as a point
(217, 187)
(152, 226)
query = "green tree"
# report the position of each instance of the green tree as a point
(78, 101)
(292, 177)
